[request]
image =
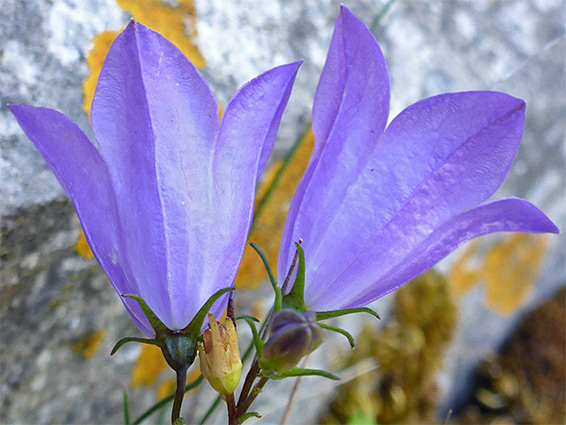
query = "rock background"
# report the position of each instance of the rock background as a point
(59, 316)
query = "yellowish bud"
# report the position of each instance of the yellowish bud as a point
(219, 356)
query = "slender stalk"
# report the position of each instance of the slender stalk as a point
(253, 395)
(231, 404)
(179, 394)
(293, 395)
(250, 378)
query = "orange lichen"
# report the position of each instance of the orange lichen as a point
(270, 216)
(176, 23)
(82, 248)
(508, 269)
(149, 366)
(89, 344)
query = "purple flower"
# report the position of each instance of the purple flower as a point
(165, 196)
(377, 207)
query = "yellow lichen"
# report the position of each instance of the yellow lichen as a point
(82, 248)
(176, 23)
(508, 269)
(89, 343)
(408, 351)
(270, 216)
(149, 366)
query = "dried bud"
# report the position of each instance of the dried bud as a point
(293, 336)
(219, 356)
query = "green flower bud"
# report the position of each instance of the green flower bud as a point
(293, 336)
(219, 356)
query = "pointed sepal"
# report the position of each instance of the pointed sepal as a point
(123, 341)
(272, 280)
(296, 296)
(297, 371)
(258, 343)
(157, 325)
(323, 315)
(341, 331)
(196, 324)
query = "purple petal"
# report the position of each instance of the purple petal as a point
(502, 215)
(226, 201)
(261, 106)
(83, 174)
(438, 158)
(350, 111)
(155, 120)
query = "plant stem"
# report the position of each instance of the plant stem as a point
(179, 394)
(231, 403)
(249, 400)
(250, 378)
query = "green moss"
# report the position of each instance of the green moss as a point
(409, 351)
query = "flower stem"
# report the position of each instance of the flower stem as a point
(179, 394)
(231, 403)
(253, 394)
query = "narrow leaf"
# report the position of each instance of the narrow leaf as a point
(295, 298)
(248, 415)
(256, 338)
(297, 371)
(126, 409)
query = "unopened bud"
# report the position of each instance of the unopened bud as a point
(219, 356)
(293, 336)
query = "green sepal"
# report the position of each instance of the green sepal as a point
(258, 343)
(248, 415)
(154, 321)
(132, 339)
(272, 280)
(247, 316)
(196, 324)
(295, 299)
(341, 331)
(179, 421)
(297, 371)
(322, 315)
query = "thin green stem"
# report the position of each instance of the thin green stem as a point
(375, 24)
(179, 394)
(162, 403)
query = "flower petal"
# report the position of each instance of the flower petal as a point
(83, 174)
(247, 133)
(502, 215)
(155, 120)
(438, 158)
(350, 111)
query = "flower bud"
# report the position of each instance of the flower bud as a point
(219, 356)
(293, 336)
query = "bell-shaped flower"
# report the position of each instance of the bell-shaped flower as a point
(165, 195)
(378, 206)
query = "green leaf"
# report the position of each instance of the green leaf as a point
(132, 339)
(194, 327)
(297, 371)
(272, 279)
(341, 331)
(323, 315)
(126, 409)
(248, 415)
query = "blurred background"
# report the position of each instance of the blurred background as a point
(479, 340)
